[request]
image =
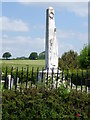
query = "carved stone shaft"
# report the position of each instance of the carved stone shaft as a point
(51, 47)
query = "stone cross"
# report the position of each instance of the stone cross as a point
(51, 47)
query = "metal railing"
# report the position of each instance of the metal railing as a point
(34, 76)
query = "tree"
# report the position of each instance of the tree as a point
(6, 55)
(41, 55)
(68, 60)
(33, 56)
(84, 57)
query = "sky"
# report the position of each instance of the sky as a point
(24, 24)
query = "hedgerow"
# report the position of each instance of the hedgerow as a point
(43, 103)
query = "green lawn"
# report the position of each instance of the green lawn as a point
(22, 63)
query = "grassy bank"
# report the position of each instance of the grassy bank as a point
(22, 63)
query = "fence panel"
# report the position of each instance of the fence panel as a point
(55, 75)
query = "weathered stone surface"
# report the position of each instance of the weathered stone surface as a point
(51, 47)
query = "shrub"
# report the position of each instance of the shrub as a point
(43, 103)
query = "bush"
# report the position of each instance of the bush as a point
(43, 103)
(84, 57)
(68, 60)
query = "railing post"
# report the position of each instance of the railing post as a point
(37, 73)
(71, 79)
(42, 75)
(37, 77)
(81, 80)
(27, 78)
(11, 77)
(22, 76)
(47, 77)
(32, 77)
(6, 81)
(62, 74)
(67, 77)
(57, 77)
(16, 79)
(21, 80)
(0, 79)
(86, 79)
(52, 78)
(67, 74)
(76, 79)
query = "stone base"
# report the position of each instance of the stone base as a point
(53, 75)
(46, 76)
(50, 72)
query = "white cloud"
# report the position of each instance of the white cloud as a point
(13, 25)
(22, 45)
(70, 40)
(42, 27)
(5, 36)
(71, 35)
(65, 34)
(85, 24)
(64, 47)
(21, 40)
(82, 37)
(80, 9)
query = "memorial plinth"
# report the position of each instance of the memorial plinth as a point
(51, 46)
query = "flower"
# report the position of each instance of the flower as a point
(78, 114)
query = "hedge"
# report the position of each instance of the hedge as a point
(42, 103)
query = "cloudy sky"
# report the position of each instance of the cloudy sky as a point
(23, 26)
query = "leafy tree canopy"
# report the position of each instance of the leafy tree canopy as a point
(41, 55)
(84, 57)
(68, 60)
(33, 56)
(6, 55)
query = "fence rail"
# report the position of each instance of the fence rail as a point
(79, 78)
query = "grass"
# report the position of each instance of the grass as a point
(22, 63)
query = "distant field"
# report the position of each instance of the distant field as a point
(22, 63)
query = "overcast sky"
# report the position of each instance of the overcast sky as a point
(23, 27)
